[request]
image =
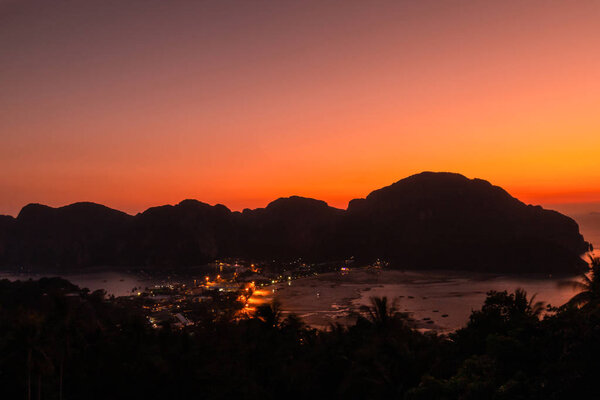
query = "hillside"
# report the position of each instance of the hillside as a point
(429, 220)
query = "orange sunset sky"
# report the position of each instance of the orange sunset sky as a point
(140, 103)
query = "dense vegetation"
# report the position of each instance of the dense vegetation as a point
(60, 342)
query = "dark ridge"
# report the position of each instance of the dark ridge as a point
(289, 227)
(73, 236)
(445, 220)
(298, 202)
(429, 220)
(7, 224)
(189, 233)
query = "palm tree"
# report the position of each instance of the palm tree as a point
(381, 313)
(293, 323)
(65, 330)
(529, 307)
(589, 286)
(31, 338)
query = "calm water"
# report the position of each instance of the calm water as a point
(440, 300)
(454, 297)
(115, 283)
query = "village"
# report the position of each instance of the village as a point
(232, 290)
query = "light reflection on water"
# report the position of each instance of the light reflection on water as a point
(441, 300)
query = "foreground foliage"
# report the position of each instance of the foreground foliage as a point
(61, 342)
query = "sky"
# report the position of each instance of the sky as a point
(134, 104)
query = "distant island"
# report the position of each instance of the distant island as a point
(432, 220)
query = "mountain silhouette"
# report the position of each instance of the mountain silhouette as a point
(80, 234)
(189, 233)
(426, 221)
(444, 220)
(293, 226)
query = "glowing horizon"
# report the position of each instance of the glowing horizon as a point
(583, 202)
(135, 103)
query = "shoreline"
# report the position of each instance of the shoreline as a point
(440, 301)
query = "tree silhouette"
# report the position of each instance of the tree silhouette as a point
(529, 308)
(383, 314)
(270, 313)
(31, 338)
(589, 286)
